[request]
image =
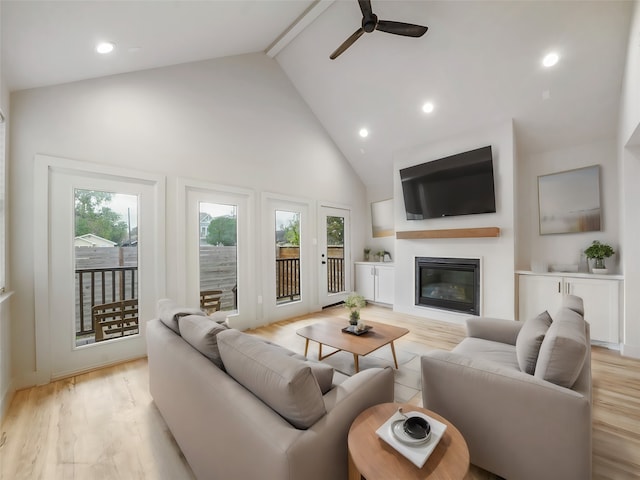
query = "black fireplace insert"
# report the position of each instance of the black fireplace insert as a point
(448, 284)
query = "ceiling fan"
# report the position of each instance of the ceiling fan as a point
(370, 23)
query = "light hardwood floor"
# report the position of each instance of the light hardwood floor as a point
(104, 425)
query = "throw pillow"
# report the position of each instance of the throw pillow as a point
(284, 383)
(201, 333)
(529, 341)
(563, 350)
(169, 312)
(323, 372)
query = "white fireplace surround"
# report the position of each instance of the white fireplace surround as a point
(497, 254)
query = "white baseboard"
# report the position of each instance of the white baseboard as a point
(632, 351)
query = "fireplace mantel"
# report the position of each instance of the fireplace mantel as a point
(450, 233)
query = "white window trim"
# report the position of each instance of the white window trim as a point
(43, 165)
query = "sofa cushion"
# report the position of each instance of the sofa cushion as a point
(496, 352)
(563, 349)
(284, 383)
(322, 371)
(529, 341)
(574, 303)
(201, 333)
(220, 317)
(169, 312)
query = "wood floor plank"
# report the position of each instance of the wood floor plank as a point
(99, 425)
(103, 425)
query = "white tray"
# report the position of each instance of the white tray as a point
(416, 454)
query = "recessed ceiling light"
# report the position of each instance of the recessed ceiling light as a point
(364, 132)
(550, 59)
(428, 107)
(105, 47)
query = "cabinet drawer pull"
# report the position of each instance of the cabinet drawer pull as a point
(559, 288)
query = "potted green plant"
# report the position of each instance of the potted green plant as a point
(367, 251)
(354, 302)
(598, 252)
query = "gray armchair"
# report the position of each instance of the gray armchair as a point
(519, 425)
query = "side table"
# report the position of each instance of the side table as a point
(372, 458)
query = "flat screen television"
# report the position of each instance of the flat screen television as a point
(461, 184)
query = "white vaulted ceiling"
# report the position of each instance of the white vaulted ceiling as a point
(479, 63)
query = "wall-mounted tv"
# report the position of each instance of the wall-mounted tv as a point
(461, 184)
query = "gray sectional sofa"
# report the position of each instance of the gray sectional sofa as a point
(267, 413)
(520, 394)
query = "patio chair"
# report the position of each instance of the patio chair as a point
(116, 319)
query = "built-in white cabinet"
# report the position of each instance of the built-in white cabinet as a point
(375, 281)
(538, 292)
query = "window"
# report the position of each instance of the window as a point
(218, 256)
(287, 230)
(106, 265)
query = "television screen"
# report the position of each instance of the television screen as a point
(461, 184)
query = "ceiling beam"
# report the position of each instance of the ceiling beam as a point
(302, 22)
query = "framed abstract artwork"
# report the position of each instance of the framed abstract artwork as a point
(569, 202)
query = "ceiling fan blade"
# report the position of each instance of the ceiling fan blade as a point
(399, 28)
(347, 43)
(365, 8)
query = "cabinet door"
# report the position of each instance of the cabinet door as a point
(385, 281)
(365, 281)
(537, 293)
(601, 306)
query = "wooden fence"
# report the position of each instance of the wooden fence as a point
(106, 275)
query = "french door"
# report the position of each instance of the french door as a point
(287, 234)
(334, 239)
(96, 292)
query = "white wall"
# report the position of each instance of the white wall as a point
(6, 376)
(497, 254)
(234, 121)
(566, 248)
(629, 164)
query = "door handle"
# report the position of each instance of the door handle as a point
(323, 262)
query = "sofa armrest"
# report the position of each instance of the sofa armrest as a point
(329, 435)
(508, 417)
(494, 329)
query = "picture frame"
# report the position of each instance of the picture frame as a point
(569, 201)
(382, 218)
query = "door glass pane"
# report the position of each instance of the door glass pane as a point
(106, 265)
(335, 254)
(218, 257)
(287, 256)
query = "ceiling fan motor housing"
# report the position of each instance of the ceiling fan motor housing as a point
(369, 23)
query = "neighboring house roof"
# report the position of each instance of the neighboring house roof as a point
(91, 240)
(205, 218)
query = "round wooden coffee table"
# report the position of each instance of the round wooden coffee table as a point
(372, 458)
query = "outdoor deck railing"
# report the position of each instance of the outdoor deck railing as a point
(97, 286)
(288, 277)
(335, 275)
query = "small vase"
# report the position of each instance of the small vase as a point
(599, 264)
